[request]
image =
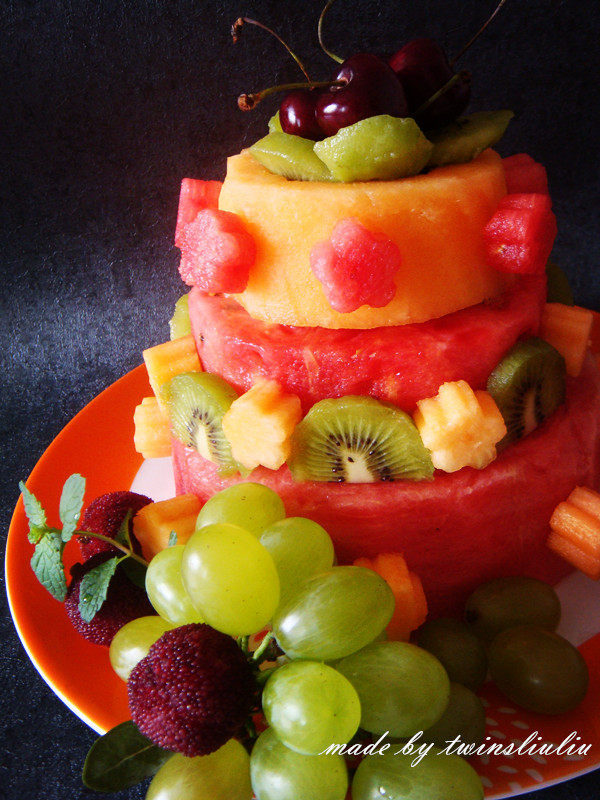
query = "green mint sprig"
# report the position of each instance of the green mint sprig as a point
(47, 560)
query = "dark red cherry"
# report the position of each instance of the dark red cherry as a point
(371, 88)
(422, 68)
(297, 114)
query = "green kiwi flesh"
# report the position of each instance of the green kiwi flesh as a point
(179, 324)
(290, 156)
(197, 402)
(528, 385)
(358, 440)
(376, 148)
(467, 137)
(275, 124)
(559, 290)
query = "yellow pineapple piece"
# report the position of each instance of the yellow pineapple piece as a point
(152, 437)
(460, 427)
(152, 525)
(260, 423)
(568, 329)
(164, 361)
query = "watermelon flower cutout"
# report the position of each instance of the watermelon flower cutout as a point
(216, 252)
(356, 266)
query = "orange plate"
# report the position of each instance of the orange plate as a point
(98, 444)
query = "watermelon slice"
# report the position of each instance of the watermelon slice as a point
(193, 197)
(524, 175)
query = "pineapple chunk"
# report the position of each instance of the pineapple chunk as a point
(152, 437)
(164, 361)
(260, 423)
(153, 524)
(568, 329)
(460, 427)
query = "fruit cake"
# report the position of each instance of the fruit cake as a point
(368, 333)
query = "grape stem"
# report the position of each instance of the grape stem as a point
(320, 33)
(258, 653)
(127, 550)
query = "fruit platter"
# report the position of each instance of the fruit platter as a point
(350, 544)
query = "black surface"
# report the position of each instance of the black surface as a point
(106, 106)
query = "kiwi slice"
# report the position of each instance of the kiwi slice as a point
(376, 148)
(358, 440)
(290, 156)
(559, 290)
(528, 385)
(197, 402)
(275, 124)
(179, 324)
(467, 137)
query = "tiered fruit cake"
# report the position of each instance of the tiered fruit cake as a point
(369, 334)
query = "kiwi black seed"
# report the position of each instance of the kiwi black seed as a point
(528, 385)
(358, 440)
(197, 402)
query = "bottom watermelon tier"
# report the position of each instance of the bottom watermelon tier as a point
(459, 529)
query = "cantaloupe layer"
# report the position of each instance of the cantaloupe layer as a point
(436, 220)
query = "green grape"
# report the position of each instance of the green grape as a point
(165, 589)
(230, 578)
(179, 324)
(334, 614)
(464, 717)
(279, 773)
(311, 706)
(222, 775)
(402, 688)
(300, 548)
(506, 602)
(437, 776)
(252, 506)
(538, 669)
(460, 651)
(131, 643)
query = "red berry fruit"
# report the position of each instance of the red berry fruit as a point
(193, 197)
(124, 601)
(356, 266)
(524, 175)
(216, 252)
(105, 515)
(193, 691)
(520, 235)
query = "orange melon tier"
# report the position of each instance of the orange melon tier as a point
(436, 220)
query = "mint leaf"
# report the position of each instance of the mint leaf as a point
(71, 502)
(46, 562)
(172, 539)
(35, 514)
(94, 586)
(122, 758)
(123, 535)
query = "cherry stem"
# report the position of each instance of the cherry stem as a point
(247, 102)
(241, 21)
(478, 34)
(454, 79)
(320, 33)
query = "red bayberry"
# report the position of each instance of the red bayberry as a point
(524, 175)
(216, 252)
(193, 197)
(520, 235)
(105, 515)
(193, 690)
(356, 266)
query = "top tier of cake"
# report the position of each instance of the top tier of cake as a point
(436, 220)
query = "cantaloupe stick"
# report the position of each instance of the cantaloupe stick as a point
(152, 436)
(575, 530)
(411, 605)
(568, 329)
(152, 525)
(260, 423)
(164, 361)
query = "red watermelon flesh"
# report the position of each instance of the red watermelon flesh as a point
(399, 364)
(459, 529)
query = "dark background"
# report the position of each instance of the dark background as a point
(105, 107)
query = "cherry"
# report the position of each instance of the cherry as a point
(423, 69)
(370, 87)
(297, 114)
